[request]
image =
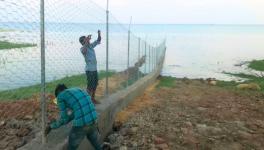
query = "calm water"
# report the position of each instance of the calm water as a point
(203, 51)
(193, 51)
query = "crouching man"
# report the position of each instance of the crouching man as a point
(83, 114)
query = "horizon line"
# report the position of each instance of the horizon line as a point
(142, 23)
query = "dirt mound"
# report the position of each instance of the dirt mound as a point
(140, 103)
(20, 120)
(115, 83)
(194, 115)
(14, 134)
(26, 109)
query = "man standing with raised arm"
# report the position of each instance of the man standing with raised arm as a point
(88, 52)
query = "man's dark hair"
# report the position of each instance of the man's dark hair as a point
(60, 88)
(81, 39)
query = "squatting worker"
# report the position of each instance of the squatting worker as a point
(83, 114)
(88, 52)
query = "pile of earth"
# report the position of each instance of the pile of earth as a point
(191, 115)
(24, 116)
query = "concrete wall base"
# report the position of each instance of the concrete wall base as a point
(107, 110)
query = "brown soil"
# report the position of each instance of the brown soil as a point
(25, 115)
(114, 84)
(140, 103)
(20, 120)
(192, 115)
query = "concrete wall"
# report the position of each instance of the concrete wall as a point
(107, 110)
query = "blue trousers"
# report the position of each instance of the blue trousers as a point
(77, 134)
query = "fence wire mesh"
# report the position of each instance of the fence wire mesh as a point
(68, 60)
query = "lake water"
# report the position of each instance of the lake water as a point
(193, 51)
(204, 51)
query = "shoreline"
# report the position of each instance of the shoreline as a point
(5, 45)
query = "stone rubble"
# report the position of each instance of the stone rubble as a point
(194, 115)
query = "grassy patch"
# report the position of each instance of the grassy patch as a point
(227, 84)
(6, 30)
(249, 79)
(28, 92)
(167, 82)
(244, 76)
(257, 65)
(9, 45)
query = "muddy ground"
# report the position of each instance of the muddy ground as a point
(191, 115)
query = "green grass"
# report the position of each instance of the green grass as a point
(257, 65)
(167, 82)
(28, 92)
(5, 30)
(9, 45)
(227, 84)
(249, 79)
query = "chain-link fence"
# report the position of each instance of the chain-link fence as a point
(69, 59)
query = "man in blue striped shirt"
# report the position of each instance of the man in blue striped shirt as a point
(83, 114)
(88, 53)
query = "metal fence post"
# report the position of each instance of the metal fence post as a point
(43, 86)
(152, 59)
(128, 51)
(138, 75)
(107, 49)
(145, 58)
(149, 59)
(156, 57)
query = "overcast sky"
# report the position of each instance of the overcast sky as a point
(142, 11)
(188, 11)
